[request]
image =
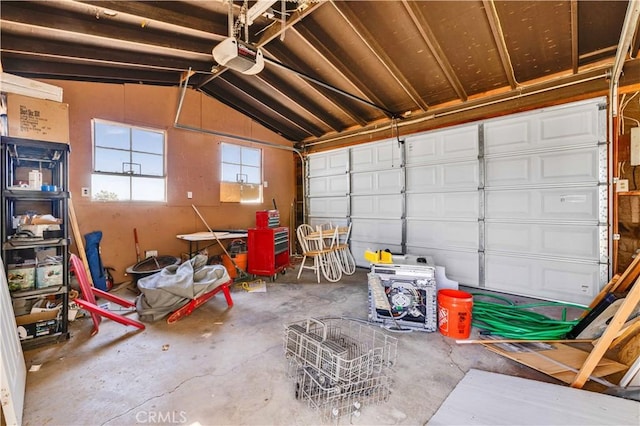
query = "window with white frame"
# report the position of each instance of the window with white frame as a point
(128, 162)
(241, 173)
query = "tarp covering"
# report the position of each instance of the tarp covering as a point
(175, 285)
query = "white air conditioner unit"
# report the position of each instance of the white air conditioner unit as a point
(239, 56)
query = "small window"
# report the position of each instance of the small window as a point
(128, 163)
(241, 174)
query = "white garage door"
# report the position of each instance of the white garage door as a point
(546, 202)
(377, 204)
(443, 204)
(328, 188)
(516, 204)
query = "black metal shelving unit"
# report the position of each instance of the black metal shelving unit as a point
(52, 159)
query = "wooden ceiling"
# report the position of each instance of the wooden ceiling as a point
(333, 68)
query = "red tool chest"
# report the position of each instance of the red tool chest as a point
(268, 245)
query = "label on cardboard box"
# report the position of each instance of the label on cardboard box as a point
(38, 119)
(37, 324)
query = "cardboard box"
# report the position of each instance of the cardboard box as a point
(48, 275)
(38, 324)
(22, 306)
(25, 86)
(21, 277)
(38, 119)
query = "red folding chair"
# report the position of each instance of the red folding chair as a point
(193, 304)
(88, 300)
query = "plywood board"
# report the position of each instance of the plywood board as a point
(484, 398)
(561, 362)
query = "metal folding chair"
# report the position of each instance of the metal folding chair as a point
(88, 300)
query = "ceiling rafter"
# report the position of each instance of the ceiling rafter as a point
(108, 31)
(338, 66)
(267, 102)
(276, 84)
(277, 53)
(501, 45)
(368, 39)
(247, 105)
(85, 72)
(421, 24)
(29, 30)
(152, 15)
(270, 99)
(35, 47)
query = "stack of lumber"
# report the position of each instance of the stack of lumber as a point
(576, 366)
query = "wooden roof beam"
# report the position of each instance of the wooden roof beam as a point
(420, 22)
(368, 39)
(501, 45)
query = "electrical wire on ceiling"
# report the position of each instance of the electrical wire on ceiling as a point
(307, 77)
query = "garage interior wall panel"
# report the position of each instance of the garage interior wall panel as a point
(442, 200)
(545, 203)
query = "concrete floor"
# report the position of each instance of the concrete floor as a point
(222, 366)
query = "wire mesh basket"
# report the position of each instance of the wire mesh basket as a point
(339, 365)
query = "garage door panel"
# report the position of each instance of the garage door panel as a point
(328, 163)
(567, 241)
(461, 266)
(443, 146)
(382, 231)
(380, 206)
(443, 234)
(570, 126)
(575, 166)
(567, 125)
(329, 185)
(375, 156)
(545, 278)
(459, 205)
(329, 206)
(570, 204)
(443, 177)
(383, 181)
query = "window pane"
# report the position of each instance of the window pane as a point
(110, 188)
(110, 160)
(253, 174)
(147, 141)
(230, 153)
(251, 157)
(229, 172)
(150, 164)
(147, 189)
(111, 135)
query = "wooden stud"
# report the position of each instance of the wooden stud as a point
(78, 240)
(616, 324)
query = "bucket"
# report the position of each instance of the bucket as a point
(454, 313)
(239, 258)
